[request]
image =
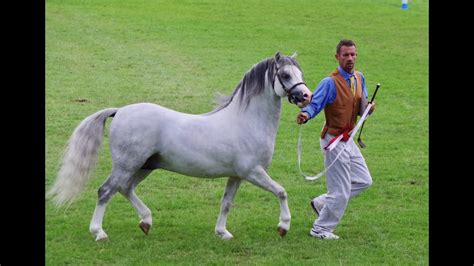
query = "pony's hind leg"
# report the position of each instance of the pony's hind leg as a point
(260, 178)
(231, 188)
(105, 193)
(129, 192)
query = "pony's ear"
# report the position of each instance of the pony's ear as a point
(294, 55)
(277, 56)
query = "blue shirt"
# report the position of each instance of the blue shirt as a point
(326, 93)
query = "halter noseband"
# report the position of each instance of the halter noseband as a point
(291, 98)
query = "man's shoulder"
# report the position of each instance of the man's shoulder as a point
(327, 80)
(326, 83)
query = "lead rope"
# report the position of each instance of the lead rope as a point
(312, 178)
(332, 146)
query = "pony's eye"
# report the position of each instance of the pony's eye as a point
(285, 76)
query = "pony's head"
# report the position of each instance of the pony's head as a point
(280, 73)
(288, 81)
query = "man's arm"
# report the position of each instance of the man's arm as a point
(324, 94)
(364, 101)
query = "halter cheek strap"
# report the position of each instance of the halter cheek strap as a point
(291, 98)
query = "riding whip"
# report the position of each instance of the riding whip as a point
(359, 140)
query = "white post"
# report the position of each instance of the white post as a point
(404, 4)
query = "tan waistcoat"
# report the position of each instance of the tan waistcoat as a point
(342, 113)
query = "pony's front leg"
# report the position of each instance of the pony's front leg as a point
(260, 178)
(233, 184)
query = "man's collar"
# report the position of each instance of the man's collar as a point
(345, 74)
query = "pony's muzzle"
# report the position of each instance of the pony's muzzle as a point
(301, 97)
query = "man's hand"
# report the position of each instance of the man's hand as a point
(372, 109)
(302, 118)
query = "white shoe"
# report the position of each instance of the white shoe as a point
(323, 235)
(317, 205)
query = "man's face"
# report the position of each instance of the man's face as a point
(347, 57)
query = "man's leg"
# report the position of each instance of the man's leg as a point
(338, 181)
(360, 175)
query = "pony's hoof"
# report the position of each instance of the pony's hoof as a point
(225, 235)
(101, 237)
(282, 232)
(145, 227)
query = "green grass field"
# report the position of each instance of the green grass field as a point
(179, 54)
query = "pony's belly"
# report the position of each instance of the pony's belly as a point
(205, 171)
(197, 167)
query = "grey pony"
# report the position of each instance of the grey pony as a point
(236, 140)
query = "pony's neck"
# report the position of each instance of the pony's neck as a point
(263, 110)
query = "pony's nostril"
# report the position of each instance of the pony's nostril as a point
(305, 95)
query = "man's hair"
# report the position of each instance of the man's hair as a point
(344, 42)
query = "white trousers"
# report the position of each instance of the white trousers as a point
(345, 179)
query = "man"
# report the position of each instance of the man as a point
(343, 96)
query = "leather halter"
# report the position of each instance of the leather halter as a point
(291, 98)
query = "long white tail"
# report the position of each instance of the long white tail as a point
(80, 157)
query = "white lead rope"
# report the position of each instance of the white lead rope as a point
(311, 178)
(330, 147)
